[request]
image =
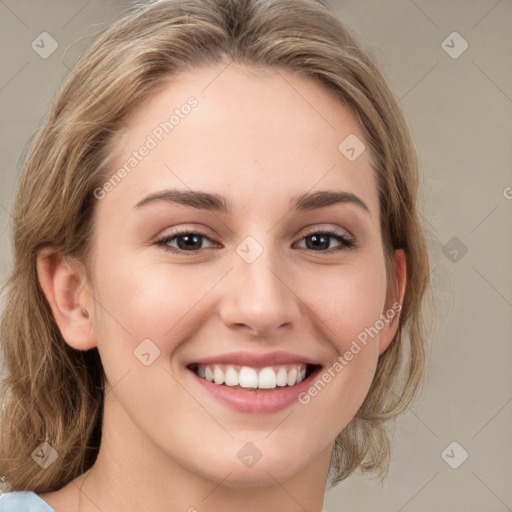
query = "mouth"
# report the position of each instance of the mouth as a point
(251, 382)
(254, 379)
(254, 383)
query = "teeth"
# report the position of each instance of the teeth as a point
(231, 377)
(218, 375)
(292, 377)
(269, 377)
(248, 378)
(281, 377)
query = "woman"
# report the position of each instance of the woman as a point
(219, 274)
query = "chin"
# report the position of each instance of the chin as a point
(262, 477)
(263, 473)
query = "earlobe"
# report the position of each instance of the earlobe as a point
(394, 300)
(63, 283)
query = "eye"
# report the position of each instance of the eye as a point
(191, 242)
(187, 241)
(320, 241)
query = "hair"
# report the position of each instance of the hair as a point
(55, 393)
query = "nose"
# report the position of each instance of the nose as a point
(259, 297)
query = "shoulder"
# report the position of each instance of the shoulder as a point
(26, 501)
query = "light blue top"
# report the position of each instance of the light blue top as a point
(23, 502)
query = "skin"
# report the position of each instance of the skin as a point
(259, 138)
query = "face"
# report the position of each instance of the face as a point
(266, 283)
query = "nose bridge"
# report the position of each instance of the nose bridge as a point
(259, 296)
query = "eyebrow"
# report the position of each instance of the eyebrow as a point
(219, 203)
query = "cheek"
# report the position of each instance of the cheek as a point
(145, 309)
(154, 300)
(349, 300)
(347, 304)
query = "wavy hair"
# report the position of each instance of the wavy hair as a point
(54, 393)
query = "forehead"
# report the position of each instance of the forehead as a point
(242, 132)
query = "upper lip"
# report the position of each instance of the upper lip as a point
(255, 360)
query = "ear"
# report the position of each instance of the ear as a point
(65, 287)
(394, 301)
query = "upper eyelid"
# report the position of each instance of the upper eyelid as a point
(312, 228)
(335, 231)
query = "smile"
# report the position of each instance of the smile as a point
(269, 377)
(254, 383)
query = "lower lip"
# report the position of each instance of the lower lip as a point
(260, 400)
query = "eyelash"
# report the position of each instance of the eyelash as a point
(346, 243)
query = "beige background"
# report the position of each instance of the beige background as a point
(460, 114)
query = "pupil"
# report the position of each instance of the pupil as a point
(194, 239)
(316, 238)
